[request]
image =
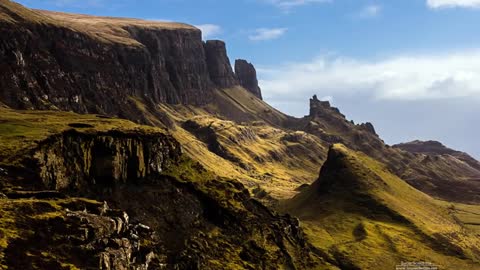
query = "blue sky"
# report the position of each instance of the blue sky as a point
(412, 67)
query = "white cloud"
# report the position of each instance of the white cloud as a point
(267, 33)
(370, 11)
(453, 3)
(414, 77)
(288, 4)
(209, 30)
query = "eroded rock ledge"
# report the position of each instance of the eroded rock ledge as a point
(76, 161)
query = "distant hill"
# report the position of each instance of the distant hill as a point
(365, 217)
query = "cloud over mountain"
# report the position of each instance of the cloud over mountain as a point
(403, 77)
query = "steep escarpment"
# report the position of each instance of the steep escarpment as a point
(221, 72)
(89, 64)
(52, 65)
(103, 159)
(247, 77)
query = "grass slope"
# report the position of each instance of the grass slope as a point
(21, 131)
(364, 217)
(251, 149)
(104, 29)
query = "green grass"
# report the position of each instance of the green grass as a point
(21, 131)
(360, 214)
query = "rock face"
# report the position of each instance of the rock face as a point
(322, 108)
(221, 72)
(47, 66)
(107, 159)
(61, 61)
(369, 128)
(247, 77)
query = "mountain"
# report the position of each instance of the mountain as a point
(136, 145)
(365, 217)
(163, 74)
(434, 148)
(113, 60)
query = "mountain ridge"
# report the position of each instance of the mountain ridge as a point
(157, 124)
(370, 196)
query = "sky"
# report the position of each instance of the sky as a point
(411, 67)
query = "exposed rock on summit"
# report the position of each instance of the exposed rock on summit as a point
(321, 108)
(247, 77)
(369, 128)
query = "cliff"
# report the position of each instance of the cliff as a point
(247, 77)
(88, 64)
(221, 72)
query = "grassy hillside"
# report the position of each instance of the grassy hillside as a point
(105, 29)
(367, 218)
(253, 147)
(12, 12)
(21, 131)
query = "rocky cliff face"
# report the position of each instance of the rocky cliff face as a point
(221, 72)
(369, 128)
(247, 77)
(103, 159)
(47, 66)
(87, 64)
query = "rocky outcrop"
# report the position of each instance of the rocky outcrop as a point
(218, 64)
(368, 127)
(78, 161)
(76, 232)
(247, 77)
(322, 108)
